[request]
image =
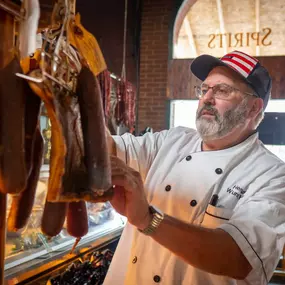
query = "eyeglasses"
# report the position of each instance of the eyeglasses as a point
(220, 91)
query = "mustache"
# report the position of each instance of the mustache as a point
(208, 108)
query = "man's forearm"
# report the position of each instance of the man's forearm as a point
(211, 250)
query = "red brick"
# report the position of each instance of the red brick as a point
(154, 63)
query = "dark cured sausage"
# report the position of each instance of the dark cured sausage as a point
(93, 127)
(13, 176)
(22, 204)
(77, 219)
(53, 218)
(75, 185)
(32, 112)
(74, 180)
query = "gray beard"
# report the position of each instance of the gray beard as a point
(222, 124)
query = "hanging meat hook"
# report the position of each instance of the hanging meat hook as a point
(60, 62)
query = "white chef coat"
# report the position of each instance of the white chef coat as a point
(180, 180)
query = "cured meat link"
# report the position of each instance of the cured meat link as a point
(93, 127)
(22, 204)
(32, 112)
(13, 174)
(75, 185)
(77, 221)
(53, 218)
(75, 175)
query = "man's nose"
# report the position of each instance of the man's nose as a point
(209, 97)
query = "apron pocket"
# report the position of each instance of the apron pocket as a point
(214, 217)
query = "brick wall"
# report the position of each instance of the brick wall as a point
(152, 102)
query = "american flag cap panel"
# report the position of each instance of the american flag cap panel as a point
(240, 62)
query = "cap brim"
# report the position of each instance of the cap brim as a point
(203, 64)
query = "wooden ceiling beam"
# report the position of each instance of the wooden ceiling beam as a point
(222, 23)
(257, 23)
(11, 8)
(191, 40)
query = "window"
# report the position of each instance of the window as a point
(217, 27)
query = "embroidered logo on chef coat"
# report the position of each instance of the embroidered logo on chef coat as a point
(236, 191)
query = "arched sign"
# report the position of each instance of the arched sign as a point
(217, 27)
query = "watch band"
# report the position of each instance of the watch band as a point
(157, 218)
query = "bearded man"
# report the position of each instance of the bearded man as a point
(206, 206)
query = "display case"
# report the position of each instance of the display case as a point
(31, 256)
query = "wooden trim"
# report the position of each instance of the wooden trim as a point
(7, 29)
(11, 8)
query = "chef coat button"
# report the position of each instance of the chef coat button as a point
(219, 171)
(168, 188)
(193, 203)
(135, 259)
(189, 157)
(156, 279)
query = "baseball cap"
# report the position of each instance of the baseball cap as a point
(247, 66)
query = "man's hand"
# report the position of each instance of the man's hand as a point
(129, 197)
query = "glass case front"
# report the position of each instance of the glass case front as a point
(28, 245)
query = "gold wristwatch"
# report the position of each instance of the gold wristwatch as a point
(157, 218)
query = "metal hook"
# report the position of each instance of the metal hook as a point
(60, 62)
(30, 78)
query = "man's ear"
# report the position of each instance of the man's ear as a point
(256, 107)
